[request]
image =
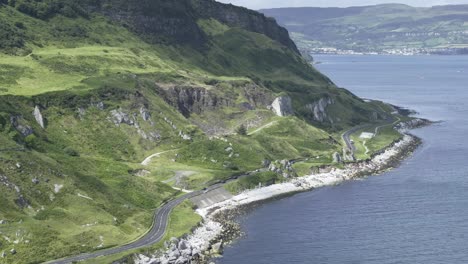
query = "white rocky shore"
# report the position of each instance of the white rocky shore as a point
(206, 240)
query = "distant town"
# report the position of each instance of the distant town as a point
(403, 52)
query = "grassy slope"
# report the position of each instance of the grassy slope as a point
(67, 64)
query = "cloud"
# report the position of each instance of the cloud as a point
(257, 4)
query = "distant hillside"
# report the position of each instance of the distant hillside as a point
(388, 28)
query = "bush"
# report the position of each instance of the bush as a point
(30, 141)
(242, 130)
(45, 9)
(71, 152)
(11, 37)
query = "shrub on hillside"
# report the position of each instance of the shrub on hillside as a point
(242, 130)
(71, 152)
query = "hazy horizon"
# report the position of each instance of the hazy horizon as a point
(259, 4)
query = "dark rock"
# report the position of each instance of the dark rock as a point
(23, 129)
(266, 163)
(183, 245)
(22, 202)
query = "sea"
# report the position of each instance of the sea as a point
(416, 213)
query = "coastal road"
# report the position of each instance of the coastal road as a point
(347, 135)
(155, 234)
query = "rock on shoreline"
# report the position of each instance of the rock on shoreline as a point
(218, 227)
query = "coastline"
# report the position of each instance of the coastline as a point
(219, 227)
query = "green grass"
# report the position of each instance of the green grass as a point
(365, 148)
(253, 181)
(182, 221)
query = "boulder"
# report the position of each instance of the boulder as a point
(81, 112)
(182, 260)
(184, 136)
(38, 116)
(145, 114)
(35, 181)
(24, 130)
(266, 163)
(217, 249)
(120, 117)
(100, 106)
(229, 149)
(282, 106)
(183, 245)
(174, 255)
(13, 251)
(2, 222)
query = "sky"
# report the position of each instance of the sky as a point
(258, 4)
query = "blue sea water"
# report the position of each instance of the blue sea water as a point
(417, 213)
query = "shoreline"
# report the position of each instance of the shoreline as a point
(219, 226)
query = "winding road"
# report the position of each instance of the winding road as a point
(155, 234)
(347, 135)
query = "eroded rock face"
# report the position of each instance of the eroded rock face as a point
(176, 21)
(18, 124)
(196, 100)
(120, 117)
(319, 109)
(282, 106)
(38, 116)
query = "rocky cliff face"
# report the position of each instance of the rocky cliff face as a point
(319, 109)
(196, 100)
(282, 106)
(244, 18)
(176, 21)
(158, 20)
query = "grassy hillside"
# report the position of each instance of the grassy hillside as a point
(382, 28)
(88, 90)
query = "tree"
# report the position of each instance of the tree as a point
(242, 130)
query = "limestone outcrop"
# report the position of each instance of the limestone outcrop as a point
(38, 116)
(319, 109)
(282, 106)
